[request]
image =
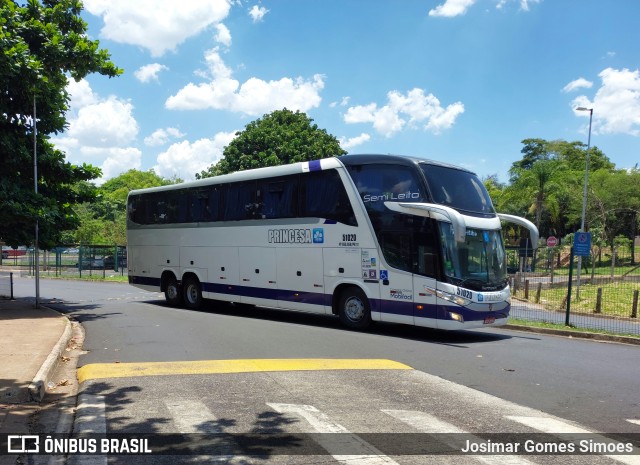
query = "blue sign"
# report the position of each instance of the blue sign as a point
(582, 244)
(318, 236)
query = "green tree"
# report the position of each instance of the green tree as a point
(278, 138)
(104, 220)
(42, 44)
(538, 185)
(614, 203)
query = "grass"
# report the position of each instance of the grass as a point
(616, 300)
(557, 326)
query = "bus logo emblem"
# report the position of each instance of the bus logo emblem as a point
(318, 236)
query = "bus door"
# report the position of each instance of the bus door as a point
(396, 282)
(426, 267)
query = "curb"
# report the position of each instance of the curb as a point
(37, 388)
(575, 334)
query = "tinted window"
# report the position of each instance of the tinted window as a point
(323, 196)
(277, 197)
(240, 201)
(381, 183)
(457, 189)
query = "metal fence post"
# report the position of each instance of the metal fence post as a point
(566, 320)
(599, 301)
(634, 310)
(11, 285)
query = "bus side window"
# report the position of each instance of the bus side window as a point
(276, 197)
(212, 203)
(396, 248)
(239, 201)
(323, 196)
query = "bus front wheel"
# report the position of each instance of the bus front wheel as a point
(354, 308)
(192, 293)
(172, 292)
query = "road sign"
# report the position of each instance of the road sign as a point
(552, 241)
(582, 244)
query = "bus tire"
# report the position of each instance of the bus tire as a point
(173, 293)
(192, 292)
(354, 308)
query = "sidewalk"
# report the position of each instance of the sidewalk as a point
(31, 342)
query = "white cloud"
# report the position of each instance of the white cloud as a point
(413, 110)
(223, 35)
(149, 72)
(616, 105)
(156, 25)
(101, 131)
(349, 143)
(185, 159)
(255, 97)
(118, 161)
(451, 8)
(579, 83)
(106, 123)
(80, 94)
(162, 136)
(343, 103)
(257, 13)
(524, 4)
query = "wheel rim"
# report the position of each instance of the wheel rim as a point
(172, 291)
(354, 308)
(192, 294)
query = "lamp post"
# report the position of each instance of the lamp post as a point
(36, 257)
(584, 190)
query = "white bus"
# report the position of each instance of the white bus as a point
(364, 237)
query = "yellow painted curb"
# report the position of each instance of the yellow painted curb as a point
(125, 370)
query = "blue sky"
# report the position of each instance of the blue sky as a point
(461, 81)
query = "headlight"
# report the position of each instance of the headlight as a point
(456, 299)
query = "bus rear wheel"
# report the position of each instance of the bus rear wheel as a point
(192, 293)
(172, 292)
(354, 308)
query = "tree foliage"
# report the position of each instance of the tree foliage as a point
(546, 185)
(278, 138)
(104, 220)
(41, 43)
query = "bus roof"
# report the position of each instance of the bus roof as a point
(368, 159)
(249, 175)
(300, 167)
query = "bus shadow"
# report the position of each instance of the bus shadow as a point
(428, 335)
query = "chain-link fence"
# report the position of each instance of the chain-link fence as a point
(70, 261)
(601, 295)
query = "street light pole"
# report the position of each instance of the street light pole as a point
(584, 190)
(35, 183)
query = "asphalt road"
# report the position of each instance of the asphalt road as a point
(593, 384)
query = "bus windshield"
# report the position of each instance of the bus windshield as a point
(457, 189)
(479, 263)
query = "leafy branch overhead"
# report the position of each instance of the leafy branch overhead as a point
(42, 44)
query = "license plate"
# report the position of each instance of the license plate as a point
(490, 319)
